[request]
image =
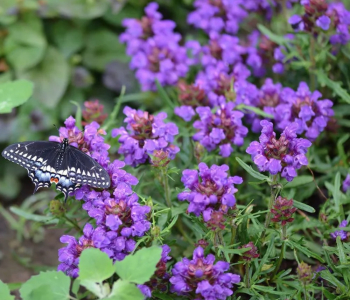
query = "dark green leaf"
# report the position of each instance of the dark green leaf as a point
(272, 36)
(102, 47)
(25, 45)
(50, 78)
(326, 275)
(333, 85)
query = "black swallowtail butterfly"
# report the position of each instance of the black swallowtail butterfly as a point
(59, 163)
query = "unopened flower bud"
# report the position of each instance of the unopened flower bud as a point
(283, 210)
(250, 254)
(57, 208)
(305, 273)
(160, 158)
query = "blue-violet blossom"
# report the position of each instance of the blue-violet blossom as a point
(284, 155)
(202, 278)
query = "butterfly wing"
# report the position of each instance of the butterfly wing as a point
(35, 157)
(83, 169)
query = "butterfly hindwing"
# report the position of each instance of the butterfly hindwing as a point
(83, 169)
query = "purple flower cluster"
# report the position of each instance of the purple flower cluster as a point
(213, 193)
(200, 278)
(284, 155)
(343, 234)
(226, 15)
(220, 129)
(155, 50)
(333, 17)
(346, 183)
(119, 218)
(304, 108)
(147, 133)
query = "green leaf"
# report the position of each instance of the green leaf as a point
(78, 115)
(256, 110)
(95, 265)
(55, 285)
(24, 46)
(103, 47)
(269, 289)
(264, 259)
(280, 40)
(33, 217)
(68, 36)
(326, 275)
(304, 250)
(124, 290)
(5, 292)
(297, 181)
(50, 78)
(250, 170)
(80, 9)
(139, 268)
(333, 85)
(303, 206)
(164, 95)
(341, 252)
(14, 93)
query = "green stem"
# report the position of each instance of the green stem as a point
(305, 293)
(284, 232)
(246, 279)
(280, 259)
(166, 187)
(233, 236)
(274, 191)
(313, 63)
(75, 224)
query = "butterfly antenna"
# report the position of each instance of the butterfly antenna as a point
(54, 125)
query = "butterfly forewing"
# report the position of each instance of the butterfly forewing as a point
(59, 163)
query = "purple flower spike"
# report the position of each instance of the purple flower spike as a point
(200, 278)
(304, 108)
(147, 133)
(220, 129)
(343, 234)
(155, 50)
(284, 155)
(213, 193)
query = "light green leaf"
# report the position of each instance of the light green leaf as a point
(54, 284)
(124, 290)
(333, 85)
(297, 181)
(5, 292)
(33, 217)
(139, 268)
(304, 250)
(256, 110)
(280, 40)
(326, 275)
(95, 265)
(14, 93)
(250, 170)
(24, 46)
(303, 206)
(50, 78)
(102, 47)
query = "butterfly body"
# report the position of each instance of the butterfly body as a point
(59, 163)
